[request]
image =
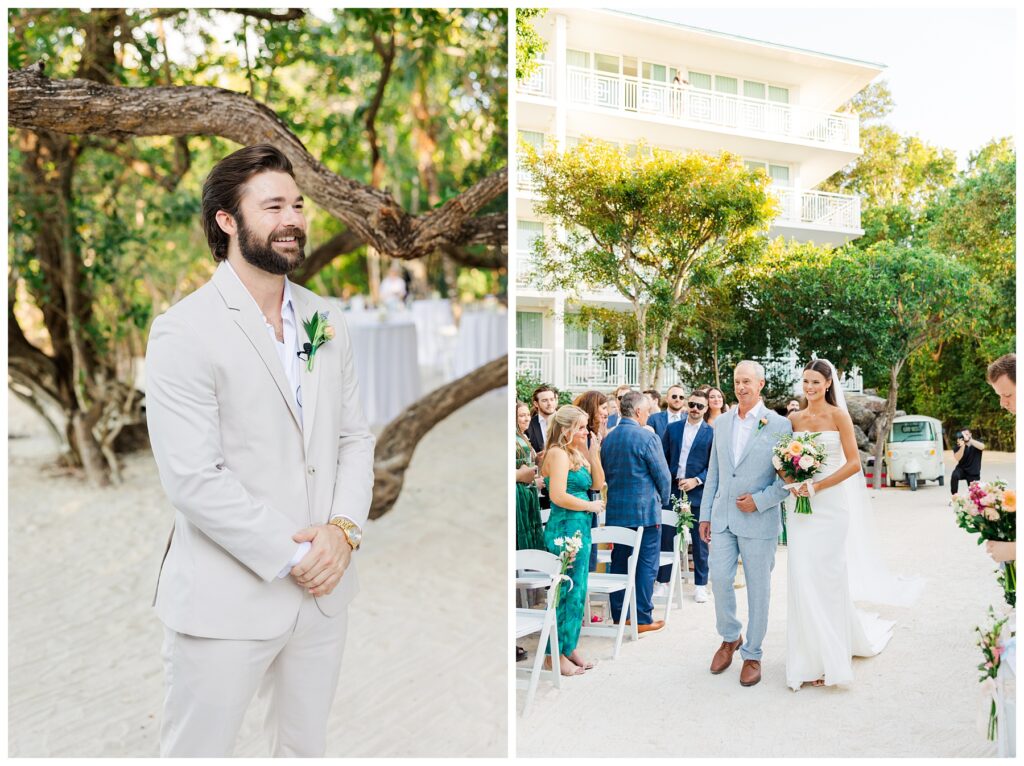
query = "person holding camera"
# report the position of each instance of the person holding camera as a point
(968, 460)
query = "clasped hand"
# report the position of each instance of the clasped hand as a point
(322, 567)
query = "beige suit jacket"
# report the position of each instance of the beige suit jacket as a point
(240, 471)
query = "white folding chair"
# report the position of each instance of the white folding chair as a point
(604, 584)
(543, 621)
(545, 514)
(675, 559)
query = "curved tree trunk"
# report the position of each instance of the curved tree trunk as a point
(398, 440)
(885, 423)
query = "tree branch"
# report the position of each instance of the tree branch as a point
(339, 244)
(399, 438)
(292, 14)
(83, 107)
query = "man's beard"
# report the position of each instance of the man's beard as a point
(262, 254)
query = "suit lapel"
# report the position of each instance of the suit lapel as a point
(244, 312)
(755, 432)
(304, 309)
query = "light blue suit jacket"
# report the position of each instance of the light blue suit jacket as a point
(753, 473)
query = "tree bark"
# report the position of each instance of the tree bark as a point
(882, 427)
(398, 441)
(82, 107)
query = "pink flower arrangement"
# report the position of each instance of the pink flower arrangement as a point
(989, 510)
(801, 458)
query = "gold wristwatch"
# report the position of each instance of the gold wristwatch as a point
(352, 532)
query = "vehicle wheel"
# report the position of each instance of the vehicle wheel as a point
(942, 481)
(912, 480)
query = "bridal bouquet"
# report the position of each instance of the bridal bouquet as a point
(569, 546)
(800, 457)
(989, 510)
(684, 519)
(992, 650)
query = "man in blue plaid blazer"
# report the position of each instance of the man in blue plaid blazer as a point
(639, 484)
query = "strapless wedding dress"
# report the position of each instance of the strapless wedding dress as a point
(824, 629)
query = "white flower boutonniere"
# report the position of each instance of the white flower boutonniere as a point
(319, 332)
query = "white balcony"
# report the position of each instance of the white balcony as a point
(590, 369)
(822, 210)
(541, 82)
(535, 362)
(694, 107)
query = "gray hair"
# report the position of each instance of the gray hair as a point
(631, 402)
(757, 367)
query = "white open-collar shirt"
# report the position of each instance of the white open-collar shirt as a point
(743, 428)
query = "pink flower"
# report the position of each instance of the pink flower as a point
(992, 514)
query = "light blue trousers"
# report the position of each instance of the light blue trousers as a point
(758, 563)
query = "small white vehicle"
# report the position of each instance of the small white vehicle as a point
(914, 451)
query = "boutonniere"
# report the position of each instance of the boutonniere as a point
(762, 423)
(319, 332)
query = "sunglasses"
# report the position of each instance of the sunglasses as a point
(676, 396)
(697, 406)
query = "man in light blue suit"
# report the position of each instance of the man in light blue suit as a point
(638, 485)
(740, 516)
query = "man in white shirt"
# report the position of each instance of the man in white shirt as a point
(269, 481)
(661, 419)
(687, 446)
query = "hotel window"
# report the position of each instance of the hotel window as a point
(700, 80)
(605, 63)
(577, 58)
(778, 95)
(582, 338)
(728, 85)
(779, 174)
(753, 89)
(529, 329)
(526, 233)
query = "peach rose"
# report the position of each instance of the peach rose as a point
(796, 448)
(1010, 501)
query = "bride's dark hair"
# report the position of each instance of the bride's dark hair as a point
(824, 369)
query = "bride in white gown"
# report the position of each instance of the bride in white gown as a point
(832, 549)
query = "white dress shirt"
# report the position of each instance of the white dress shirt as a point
(674, 416)
(743, 428)
(542, 421)
(287, 352)
(690, 431)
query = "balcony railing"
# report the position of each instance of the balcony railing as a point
(541, 82)
(589, 369)
(535, 362)
(524, 269)
(686, 104)
(825, 209)
(524, 178)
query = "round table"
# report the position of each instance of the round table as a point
(483, 336)
(384, 354)
(430, 316)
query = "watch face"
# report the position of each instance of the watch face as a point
(355, 535)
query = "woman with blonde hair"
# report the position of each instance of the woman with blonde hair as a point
(571, 469)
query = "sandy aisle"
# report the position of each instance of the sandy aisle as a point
(425, 669)
(918, 698)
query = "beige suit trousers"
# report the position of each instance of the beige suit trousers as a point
(210, 683)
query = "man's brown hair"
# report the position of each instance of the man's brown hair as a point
(1004, 365)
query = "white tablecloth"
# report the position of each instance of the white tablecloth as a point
(430, 316)
(384, 354)
(483, 336)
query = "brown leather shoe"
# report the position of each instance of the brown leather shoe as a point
(723, 657)
(751, 673)
(652, 627)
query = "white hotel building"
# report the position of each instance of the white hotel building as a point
(610, 75)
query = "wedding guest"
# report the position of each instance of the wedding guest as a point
(716, 405)
(545, 400)
(639, 485)
(613, 405)
(593, 403)
(1002, 376)
(655, 396)
(529, 530)
(392, 287)
(570, 469)
(621, 391)
(792, 406)
(687, 446)
(675, 401)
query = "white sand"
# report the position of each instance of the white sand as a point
(919, 697)
(426, 665)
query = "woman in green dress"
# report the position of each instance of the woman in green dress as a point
(570, 469)
(529, 531)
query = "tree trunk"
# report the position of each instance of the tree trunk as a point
(640, 312)
(399, 438)
(714, 362)
(885, 422)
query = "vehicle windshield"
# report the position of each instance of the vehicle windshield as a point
(919, 431)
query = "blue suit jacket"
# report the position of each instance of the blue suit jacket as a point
(696, 462)
(613, 420)
(659, 422)
(639, 483)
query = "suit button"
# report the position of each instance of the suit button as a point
(311, 470)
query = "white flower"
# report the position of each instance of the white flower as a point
(806, 462)
(559, 540)
(776, 462)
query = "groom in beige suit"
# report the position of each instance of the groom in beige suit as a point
(266, 456)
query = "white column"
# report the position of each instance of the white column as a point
(561, 80)
(558, 346)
